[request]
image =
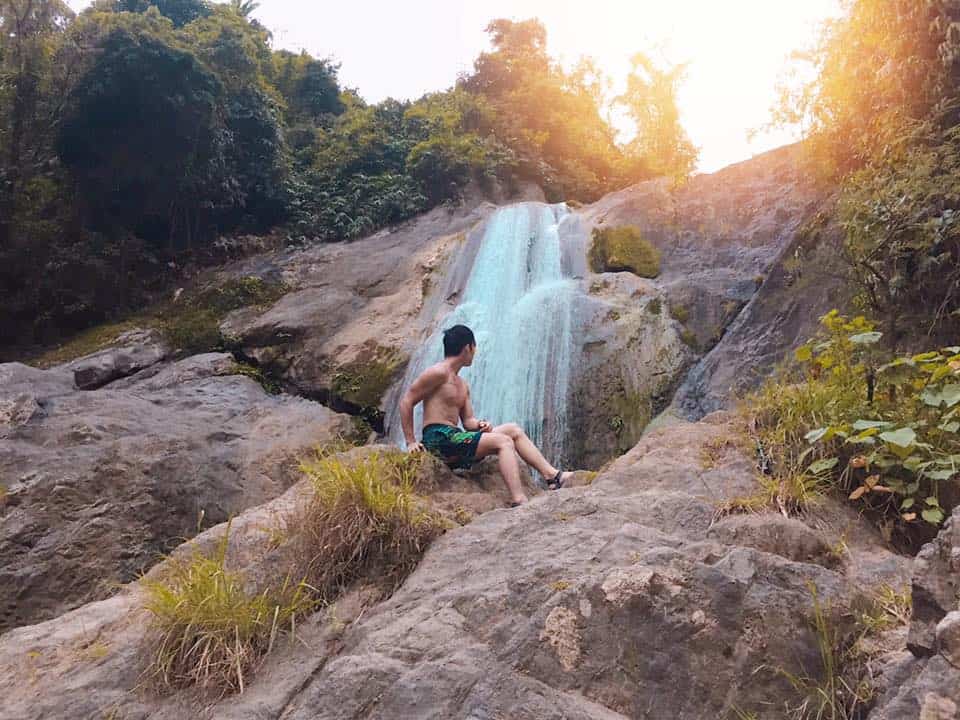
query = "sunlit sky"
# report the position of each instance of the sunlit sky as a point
(735, 49)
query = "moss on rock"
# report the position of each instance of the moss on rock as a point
(619, 249)
(192, 324)
(364, 381)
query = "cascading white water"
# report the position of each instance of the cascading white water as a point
(519, 304)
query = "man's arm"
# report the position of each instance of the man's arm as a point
(469, 421)
(422, 387)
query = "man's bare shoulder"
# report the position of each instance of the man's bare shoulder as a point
(434, 375)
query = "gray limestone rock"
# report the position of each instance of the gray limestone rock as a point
(101, 484)
(936, 588)
(133, 351)
(610, 601)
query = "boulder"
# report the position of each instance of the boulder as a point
(936, 588)
(132, 351)
(99, 485)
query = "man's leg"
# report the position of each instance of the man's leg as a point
(502, 446)
(528, 451)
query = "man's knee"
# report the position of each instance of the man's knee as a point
(513, 431)
(503, 441)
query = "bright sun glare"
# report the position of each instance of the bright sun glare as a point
(735, 50)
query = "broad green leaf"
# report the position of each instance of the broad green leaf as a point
(934, 516)
(867, 338)
(941, 372)
(950, 427)
(913, 463)
(821, 466)
(953, 349)
(932, 397)
(819, 434)
(907, 504)
(804, 353)
(928, 356)
(951, 394)
(871, 424)
(939, 474)
(902, 438)
(913, 487)
(932, 501)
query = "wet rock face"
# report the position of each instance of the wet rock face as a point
(345, 332)
(100, 483)
(720, 238)
(630, 358)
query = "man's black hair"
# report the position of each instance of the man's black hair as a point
(455, 339)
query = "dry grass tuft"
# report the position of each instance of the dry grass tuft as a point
(207, 630)
(365, 521)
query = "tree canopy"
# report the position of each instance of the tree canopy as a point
(136, 134)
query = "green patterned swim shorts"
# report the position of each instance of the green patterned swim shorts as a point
(456, 447)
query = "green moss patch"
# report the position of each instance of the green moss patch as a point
(623, 248)
(680, 313)
(192, 324)
(89, 342)
(364, 381)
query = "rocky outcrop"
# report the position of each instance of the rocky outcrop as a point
(100, 484)
(614, 600)
(936, 588)
(721, 237)
(924, 683)
(130, 352)
(631, 357)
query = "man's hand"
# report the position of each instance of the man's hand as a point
(483, 426)
(415, 447)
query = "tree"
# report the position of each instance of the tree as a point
(181, 12)
(244, 8)
(550, 120)
(660, 143)
(27, 32)
(139, 136)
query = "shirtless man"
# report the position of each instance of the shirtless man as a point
(446, 402)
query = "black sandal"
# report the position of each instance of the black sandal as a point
(556, 482)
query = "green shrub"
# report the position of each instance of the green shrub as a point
(206, 629)
(886, 434)
(654, 306)
(623, 249)
(365, 521)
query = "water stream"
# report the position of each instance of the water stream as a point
(518, 300)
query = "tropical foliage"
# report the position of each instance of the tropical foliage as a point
(136, 134)
(884, 431)
(882, 116)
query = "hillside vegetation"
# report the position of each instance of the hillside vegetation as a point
(138, 135)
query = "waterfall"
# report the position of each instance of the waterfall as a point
(519, 304)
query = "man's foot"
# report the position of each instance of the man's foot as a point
(557, 481)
